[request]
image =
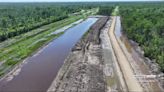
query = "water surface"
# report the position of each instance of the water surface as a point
(41, 69)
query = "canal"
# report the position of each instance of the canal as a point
(37, 74)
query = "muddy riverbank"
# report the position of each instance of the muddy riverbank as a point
(83, 68)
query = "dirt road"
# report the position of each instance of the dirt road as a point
(131, 81)
(149, 80)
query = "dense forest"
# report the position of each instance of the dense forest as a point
(144, 23)
(105, 10)
(18, 18)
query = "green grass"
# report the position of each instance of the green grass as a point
(115, 11)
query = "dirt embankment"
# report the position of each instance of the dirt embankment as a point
(131, 81)
(83, 68)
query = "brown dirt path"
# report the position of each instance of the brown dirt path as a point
(131, 81)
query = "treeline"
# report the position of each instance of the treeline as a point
(144, 23)
(18, 18)
(105, 10)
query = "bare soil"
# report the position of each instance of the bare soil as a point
(131, 82)
(83, 68)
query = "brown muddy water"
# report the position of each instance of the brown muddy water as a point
(40, 70)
